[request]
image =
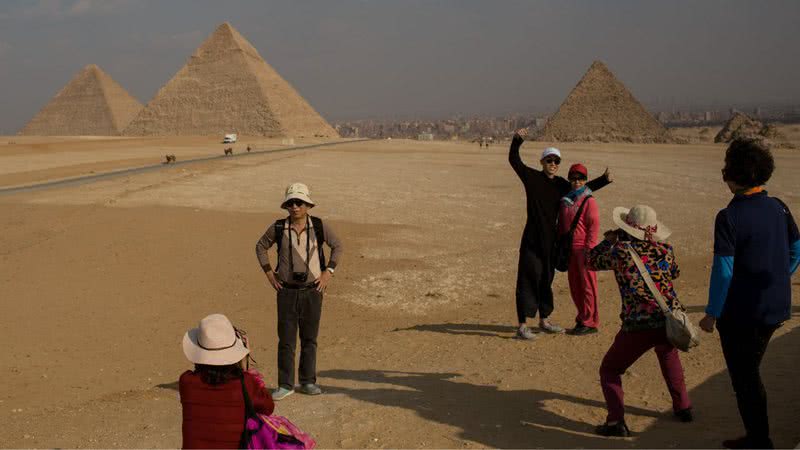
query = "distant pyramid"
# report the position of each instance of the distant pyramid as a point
(226, 87)
(90, 104)
(600, 108)
(739, 125)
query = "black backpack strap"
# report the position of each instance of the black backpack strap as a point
(279, 227)
(249, 412)
(578, 215)
(319, 231)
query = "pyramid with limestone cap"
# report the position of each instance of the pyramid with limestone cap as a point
(600, 108)
(227, 87)
(91, 104)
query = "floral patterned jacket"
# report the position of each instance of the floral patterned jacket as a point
(639, 308)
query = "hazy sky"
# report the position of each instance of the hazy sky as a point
(360, 59)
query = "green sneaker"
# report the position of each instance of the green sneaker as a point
(281, 393)
(310, 389)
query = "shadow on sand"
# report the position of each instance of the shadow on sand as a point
(521, 419)
(484, 414)
(465, 329)
(717, 417)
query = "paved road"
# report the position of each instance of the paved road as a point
(118, 173)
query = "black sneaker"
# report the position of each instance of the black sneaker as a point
(746, 442)
(619, 429)
(582, 330)
(685, 415)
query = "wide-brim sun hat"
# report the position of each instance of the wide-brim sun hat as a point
(215, 342)
(640, 222)
(298, 191)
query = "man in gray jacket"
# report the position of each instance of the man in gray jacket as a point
(300, 279)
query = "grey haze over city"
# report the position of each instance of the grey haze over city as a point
(384, 59)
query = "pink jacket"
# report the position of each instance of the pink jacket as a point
(588, 225)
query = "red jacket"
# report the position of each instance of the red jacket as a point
(588, 225)
(213, 416)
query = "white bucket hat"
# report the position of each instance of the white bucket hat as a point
(215, 342)
(640, 222)
(297, 191)
(550, 151)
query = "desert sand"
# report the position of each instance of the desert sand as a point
(99, 281)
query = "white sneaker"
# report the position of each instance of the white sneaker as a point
(281, 393)
(525, 333)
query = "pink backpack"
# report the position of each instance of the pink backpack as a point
(270, 432)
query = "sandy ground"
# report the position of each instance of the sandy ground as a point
(98, 283)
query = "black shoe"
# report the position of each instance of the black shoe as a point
(746, 442)
(582, 330)
(685, 415)
(619, 429)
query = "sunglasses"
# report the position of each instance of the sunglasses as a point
(577, 178)
(555, 161)
(294, 202)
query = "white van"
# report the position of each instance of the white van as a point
(229, 139)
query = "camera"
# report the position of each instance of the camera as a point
(299, 277)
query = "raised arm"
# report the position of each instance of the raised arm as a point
(513, 152)
(600, 182)
(600, 257)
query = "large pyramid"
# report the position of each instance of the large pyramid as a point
(226, 87)
(600, 108)
(90, 104)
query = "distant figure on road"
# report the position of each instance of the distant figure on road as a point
(535, 272)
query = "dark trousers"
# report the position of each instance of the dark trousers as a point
(298, 308)
(534, 292)
(744, 346)
(629, 346)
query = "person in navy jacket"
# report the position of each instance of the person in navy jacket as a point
(756, 251)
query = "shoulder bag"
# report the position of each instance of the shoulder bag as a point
(680, 331)
(563, 245)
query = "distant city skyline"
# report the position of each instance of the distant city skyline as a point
(360, 59)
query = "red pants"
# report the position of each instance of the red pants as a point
(629, 346)
(583, 288)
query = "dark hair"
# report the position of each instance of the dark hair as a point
(748, 162)
(215, 375)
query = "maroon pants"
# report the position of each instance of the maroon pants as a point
(583, 288)
(629, 346)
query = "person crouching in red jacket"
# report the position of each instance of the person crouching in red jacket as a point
(211, 394)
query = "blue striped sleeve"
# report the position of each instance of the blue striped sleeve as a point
(794, 256)
(721, 276)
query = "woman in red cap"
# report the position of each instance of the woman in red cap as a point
(582, 281)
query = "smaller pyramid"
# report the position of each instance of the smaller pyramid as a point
(91, 104)
(600, 108)
(739, 125)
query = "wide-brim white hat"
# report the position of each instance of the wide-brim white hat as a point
(640, 219)
(298, 191)
(215, 342)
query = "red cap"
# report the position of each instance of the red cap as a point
(578, 168)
